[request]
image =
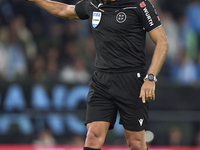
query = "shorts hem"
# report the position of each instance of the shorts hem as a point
(96, 120)
(136, 129)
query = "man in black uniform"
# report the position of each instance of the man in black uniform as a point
(120, 83)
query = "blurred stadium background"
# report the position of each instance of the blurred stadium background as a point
(46, 63)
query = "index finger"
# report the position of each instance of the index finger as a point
(143, 97)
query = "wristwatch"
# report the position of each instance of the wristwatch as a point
(150, 77)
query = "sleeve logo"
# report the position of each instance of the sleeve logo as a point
(142, 4)
(147, 14)
(158, 18)
(96, 19)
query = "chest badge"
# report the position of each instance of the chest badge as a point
(121, 17)
(96, 19)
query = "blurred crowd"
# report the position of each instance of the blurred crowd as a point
(175, 136)
(37, 46)
(41, 47)
(179, 21)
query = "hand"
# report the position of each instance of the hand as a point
(147, 91)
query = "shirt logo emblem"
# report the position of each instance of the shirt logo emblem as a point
(96, 19)
(121, 17)
(141, 121)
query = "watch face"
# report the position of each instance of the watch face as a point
(151, 77)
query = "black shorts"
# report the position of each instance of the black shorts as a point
(117, 92)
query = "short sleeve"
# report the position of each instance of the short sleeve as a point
(148, 15)
(81, 9)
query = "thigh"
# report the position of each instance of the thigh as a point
(134, 135)
(135, 139)
(96, 134)
(100, 107)
(100, 128)
(133, 113)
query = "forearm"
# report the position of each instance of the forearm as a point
(58, 9)
(158, 57)
(159, 38)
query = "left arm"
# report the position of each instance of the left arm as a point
(159, 38)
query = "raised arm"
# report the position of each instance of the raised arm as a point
(159, 38)
(58, 9)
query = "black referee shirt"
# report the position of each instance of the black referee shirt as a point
(119, 30)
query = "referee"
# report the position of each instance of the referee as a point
(120, 83)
